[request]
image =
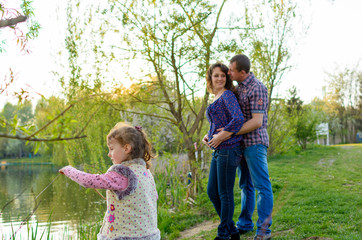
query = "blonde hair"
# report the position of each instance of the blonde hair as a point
(136, 137)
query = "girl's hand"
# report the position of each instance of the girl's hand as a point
(61, 171)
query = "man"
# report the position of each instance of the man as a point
(253, 169)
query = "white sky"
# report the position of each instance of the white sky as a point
(334, 42)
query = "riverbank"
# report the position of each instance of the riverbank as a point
(32, 160)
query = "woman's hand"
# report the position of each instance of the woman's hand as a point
(205, 140)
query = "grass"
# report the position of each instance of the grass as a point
(317, 194)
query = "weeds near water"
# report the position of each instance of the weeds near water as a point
(88, 231)
(171, 186)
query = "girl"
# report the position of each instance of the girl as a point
(224, 112)
(131, 191)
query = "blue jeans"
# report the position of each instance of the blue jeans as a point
(253, 173)
(220, 188)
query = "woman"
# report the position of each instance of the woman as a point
(224, 112)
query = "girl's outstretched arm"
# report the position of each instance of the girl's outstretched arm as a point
(110, 180)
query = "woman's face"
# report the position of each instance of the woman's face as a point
(218, 79)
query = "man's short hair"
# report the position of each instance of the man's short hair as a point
(242, 62)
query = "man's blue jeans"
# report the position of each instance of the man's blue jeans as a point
(220, 187)
(253, 173)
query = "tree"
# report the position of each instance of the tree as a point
(176, 40)
(23, 115)
(271, 36)
(12, 17)
(343, 103)
(281, 129)
(306, 126)
(303, 119)
(294, 103)
(272, 31)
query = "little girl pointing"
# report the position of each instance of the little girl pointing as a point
(131, 191)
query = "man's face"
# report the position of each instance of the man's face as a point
(235, 75)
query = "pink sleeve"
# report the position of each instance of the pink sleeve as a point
(110, 180)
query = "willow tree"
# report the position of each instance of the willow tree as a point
(281, 26)
(173, 42)
(20, 21)
(271, 46)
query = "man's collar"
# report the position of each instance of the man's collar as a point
(247, 80)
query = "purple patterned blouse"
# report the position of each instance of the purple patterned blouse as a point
(225, 113)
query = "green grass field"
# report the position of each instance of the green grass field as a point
(317, 194)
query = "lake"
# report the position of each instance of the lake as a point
(64, 203)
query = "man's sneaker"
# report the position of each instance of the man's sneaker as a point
(241, 232)
(263, 237)
(235, 236)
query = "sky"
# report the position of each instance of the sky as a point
(332, 43)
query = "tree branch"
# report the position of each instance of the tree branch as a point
(12, 21)
(40, 139)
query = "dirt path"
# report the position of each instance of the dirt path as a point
(192, 233)
(210, 225)
(205, 226)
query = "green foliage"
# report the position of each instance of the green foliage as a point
(306, 126)
(280, 129)
(304, 119)
(292, 123)
(294, 103)
(16, 120)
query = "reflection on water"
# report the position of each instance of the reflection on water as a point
(65, 203)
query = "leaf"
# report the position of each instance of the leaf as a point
(15, 121)
(31, 128)
(37, 145)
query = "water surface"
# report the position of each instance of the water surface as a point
(64, 203)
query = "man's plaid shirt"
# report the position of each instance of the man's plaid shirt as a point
(253, 98)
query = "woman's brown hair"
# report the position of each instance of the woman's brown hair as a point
(229, 83)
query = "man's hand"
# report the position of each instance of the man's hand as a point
(215, 141)
(220, 137)
(220, 130)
